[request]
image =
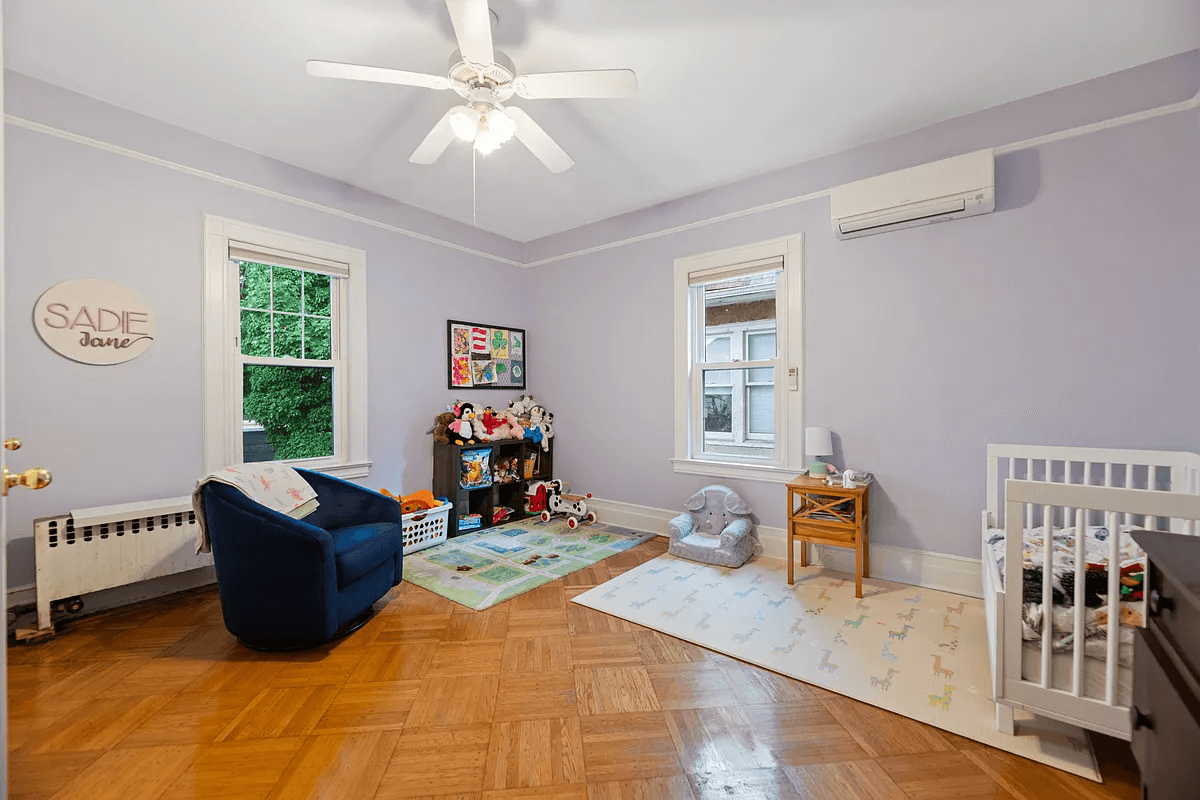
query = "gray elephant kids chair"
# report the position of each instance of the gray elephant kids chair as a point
(716, 529)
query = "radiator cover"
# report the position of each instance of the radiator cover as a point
(87, 550)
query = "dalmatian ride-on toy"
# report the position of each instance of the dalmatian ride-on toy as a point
(573, 507)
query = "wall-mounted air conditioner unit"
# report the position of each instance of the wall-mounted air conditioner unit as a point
(962, 186)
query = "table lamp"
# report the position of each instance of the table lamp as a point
(818, 442)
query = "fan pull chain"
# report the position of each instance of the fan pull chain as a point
(474, 207)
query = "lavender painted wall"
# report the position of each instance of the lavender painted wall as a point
(133, 431)
(1065, 317)
(1152, 85)
(1060, 318)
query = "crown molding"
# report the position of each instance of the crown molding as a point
(1025, 144)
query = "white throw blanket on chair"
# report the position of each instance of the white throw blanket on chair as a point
(272, 484)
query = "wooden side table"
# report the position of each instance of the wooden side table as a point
(827, 515)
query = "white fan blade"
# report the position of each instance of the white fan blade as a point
(435, 143)
(539, 142)
(588, 83)
(473, 26)
(353, 72)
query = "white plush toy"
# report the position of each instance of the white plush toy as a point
(547, 427)
(522, 406)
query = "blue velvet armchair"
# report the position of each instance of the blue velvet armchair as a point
(289, 584)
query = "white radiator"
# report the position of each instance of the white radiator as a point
(90, 549)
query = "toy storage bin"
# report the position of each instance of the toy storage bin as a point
(423, 529)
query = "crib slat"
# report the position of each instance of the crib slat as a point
(1114, 608)
(1128, 485)
(1087, 480)
(1080, 580)
(1047, 590)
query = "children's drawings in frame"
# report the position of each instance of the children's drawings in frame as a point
(485, 356)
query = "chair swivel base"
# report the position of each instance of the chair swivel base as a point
(342, 632)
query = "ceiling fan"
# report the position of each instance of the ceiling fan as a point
(486, 78)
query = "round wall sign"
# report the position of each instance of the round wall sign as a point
(95, 321)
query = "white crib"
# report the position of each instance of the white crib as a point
(1064, 487)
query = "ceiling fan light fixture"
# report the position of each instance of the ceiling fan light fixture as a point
(464, 121)
(487, 142)
(495, 128)
(500, 125)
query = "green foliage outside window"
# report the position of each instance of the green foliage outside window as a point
(287, 313)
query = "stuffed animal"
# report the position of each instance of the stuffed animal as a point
(515, 429)
(533, 428)
(547, 431)
(494, 426)
(461, 428)
(441, 423)
(522, 405)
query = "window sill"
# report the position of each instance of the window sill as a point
(726, 469)
(346, 470)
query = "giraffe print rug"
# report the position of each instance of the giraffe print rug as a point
(917, 652)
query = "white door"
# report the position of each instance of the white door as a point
(3, 459)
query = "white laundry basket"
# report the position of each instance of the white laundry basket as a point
(424, 529)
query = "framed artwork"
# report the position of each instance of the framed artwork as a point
(485, 356)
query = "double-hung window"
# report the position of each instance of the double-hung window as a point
(738, 342)
(285, 366)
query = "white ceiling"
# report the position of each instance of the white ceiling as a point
(728, 89)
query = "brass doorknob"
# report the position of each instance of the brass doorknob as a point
(12, 444)
(32, 478)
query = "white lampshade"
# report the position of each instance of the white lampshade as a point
(464, 121)
(818, 442)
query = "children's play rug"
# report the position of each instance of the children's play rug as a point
(917, 652)
(482, 569)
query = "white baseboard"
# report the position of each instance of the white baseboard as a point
(947, 573)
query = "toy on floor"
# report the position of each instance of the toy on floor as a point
(501, 513)
(717, 529)
(573, 507)
(470, 522)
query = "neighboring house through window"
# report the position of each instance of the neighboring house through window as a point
(285, 350)
(738, 333)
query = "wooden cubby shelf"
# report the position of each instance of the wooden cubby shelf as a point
(482, 500)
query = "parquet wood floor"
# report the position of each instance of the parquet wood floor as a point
(536, 698)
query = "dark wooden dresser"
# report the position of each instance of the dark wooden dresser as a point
(1166, 669)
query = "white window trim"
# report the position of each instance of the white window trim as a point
(790, 339)
(222, 327)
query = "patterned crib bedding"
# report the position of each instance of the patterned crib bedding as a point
(1096, 547)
